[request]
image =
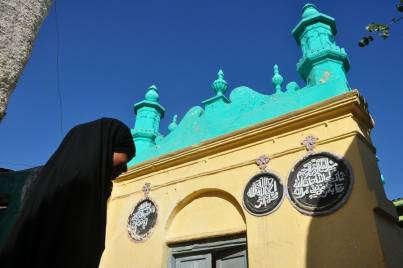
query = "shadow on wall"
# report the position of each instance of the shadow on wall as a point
(355, 235)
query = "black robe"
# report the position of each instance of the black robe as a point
(62, 222)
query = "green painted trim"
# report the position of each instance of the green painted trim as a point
(323, 66)
(215, 99)
(246, 108)
(146, 103)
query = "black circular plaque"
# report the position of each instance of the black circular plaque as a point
(319, 183)
(142, 220)
(263, 194)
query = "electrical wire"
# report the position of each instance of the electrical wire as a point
(58, 68)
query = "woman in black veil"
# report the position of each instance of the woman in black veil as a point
(63, 218)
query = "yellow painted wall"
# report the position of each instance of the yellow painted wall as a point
(199, 195)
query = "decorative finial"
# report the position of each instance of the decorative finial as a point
(146, 189)
(309, 10)
(173, 124)
(262, 162)
(220, 85)
(220, 74)
(152, 94)
(310, 143)
(277, 79)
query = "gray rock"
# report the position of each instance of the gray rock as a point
(19, 24)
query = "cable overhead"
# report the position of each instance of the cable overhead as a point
(58, 70)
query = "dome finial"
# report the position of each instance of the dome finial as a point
(152, 94)
(173, 124)
(309, 10)
(220, 85)
(277, 79)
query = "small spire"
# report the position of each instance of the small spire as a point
(309, 10)
(173, 124)
(152, 94)
(220, 85)
(220, 74)
(277, 79)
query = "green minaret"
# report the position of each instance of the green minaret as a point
(148, 115)
(322, 60)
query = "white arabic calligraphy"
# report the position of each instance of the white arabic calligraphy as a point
(266, 190)
(140, 217)
(318, 178)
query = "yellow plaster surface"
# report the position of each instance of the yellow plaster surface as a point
(199, 195)
(194, 221)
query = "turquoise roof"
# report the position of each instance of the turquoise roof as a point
(322, 66)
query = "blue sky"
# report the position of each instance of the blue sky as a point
(111, 51)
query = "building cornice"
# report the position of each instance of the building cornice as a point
(347, 103)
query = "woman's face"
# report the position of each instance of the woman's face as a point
(119, 164)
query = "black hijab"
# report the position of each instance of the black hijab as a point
(62, 222)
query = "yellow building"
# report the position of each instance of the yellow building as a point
(253, 180)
